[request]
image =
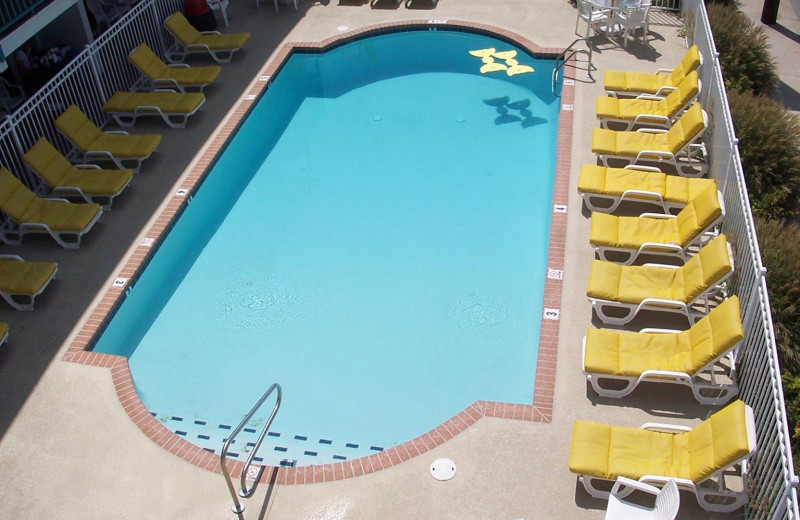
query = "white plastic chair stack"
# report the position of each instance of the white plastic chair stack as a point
(668, 501)
(591, 15)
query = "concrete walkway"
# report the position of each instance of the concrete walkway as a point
(784, 40)
(68, 450)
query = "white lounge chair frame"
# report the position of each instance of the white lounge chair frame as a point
(601, 306)
(172, 119)
(591, 199)
(652, 120)
(4, 338)
(659, 248)
(689, 161)
(178, 51)
(703, 383)
(44, 190)
(13, 299)
(77, 155)
(710, 490)
(11, 227)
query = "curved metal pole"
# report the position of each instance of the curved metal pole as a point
(237, 506)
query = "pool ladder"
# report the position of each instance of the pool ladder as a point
(244, 491)
(567, 54)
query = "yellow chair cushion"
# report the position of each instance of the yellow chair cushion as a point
(683, 189)
(627, 144)
(644, 82)
(58, 172)
(690, 62)
(146, 60)
(718, 442)
(703, 270)
(686, 90)
(630, 283)
(167, 102)
(608, 452)
(699, 214)
(3, 329)
(77, 127)
(619, 81)
(615, 181)
(127, 146)
(686, 128)
(608, 107)
(631, 232)
(24, 277)
(188, 35)
(629, 354)
(25, 207)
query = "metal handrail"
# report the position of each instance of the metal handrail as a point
(572, 52)
(244, 492)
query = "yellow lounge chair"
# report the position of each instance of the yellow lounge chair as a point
(189, 40)
(175, 108)
(21, 281)
(694, 457)
(3, 332)
(619, 83)
(91, 143)
(616, 362)
(656, 233)
(604, 189)
(25, 213)
(619, 292)
(157, 74)
(681, 145)
(647, 109)
(63, 179)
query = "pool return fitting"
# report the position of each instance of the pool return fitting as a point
(244, 491)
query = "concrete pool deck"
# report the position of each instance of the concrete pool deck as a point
(69, 450)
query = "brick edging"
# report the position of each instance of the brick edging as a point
(541, 410)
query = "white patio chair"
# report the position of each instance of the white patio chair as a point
(222, 6)
(10, 101)
(104, 15)
(590, 14)
(668, 501)
(632, 19)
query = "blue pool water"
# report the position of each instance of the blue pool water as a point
(374, 239)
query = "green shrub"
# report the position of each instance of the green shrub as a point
(730, 3)
(747, 64)
(780, 252)
(791, 395)
(769, 137)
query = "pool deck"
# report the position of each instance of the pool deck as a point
(69, 450)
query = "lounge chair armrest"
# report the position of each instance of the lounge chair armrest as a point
(87, 166)
(642, 168)
(625, 482)
(666, 428)
(644, 118)
(651, 97)
(11, 257)
(642, 194)
(664, 91)
(123, 132)
(657, 215)
(665, 374)
(653, 130)
(655, 330)
(179, 65)
(58, 199)
(664, 71)
(683, 483)
(666, 266)
(211, 32)
(162, 89)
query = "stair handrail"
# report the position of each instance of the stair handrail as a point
(244, 492)
(564, 58)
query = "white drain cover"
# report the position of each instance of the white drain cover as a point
(443, 469)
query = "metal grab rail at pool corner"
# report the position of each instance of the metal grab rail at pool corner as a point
(244, 492)
(562, 59)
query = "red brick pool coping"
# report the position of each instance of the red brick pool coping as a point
(541, 410)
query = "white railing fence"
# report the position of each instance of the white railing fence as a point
(87, 81)
(771, 477)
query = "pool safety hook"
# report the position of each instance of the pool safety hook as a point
(244, 491)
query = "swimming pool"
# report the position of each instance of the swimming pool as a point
(382, 241)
